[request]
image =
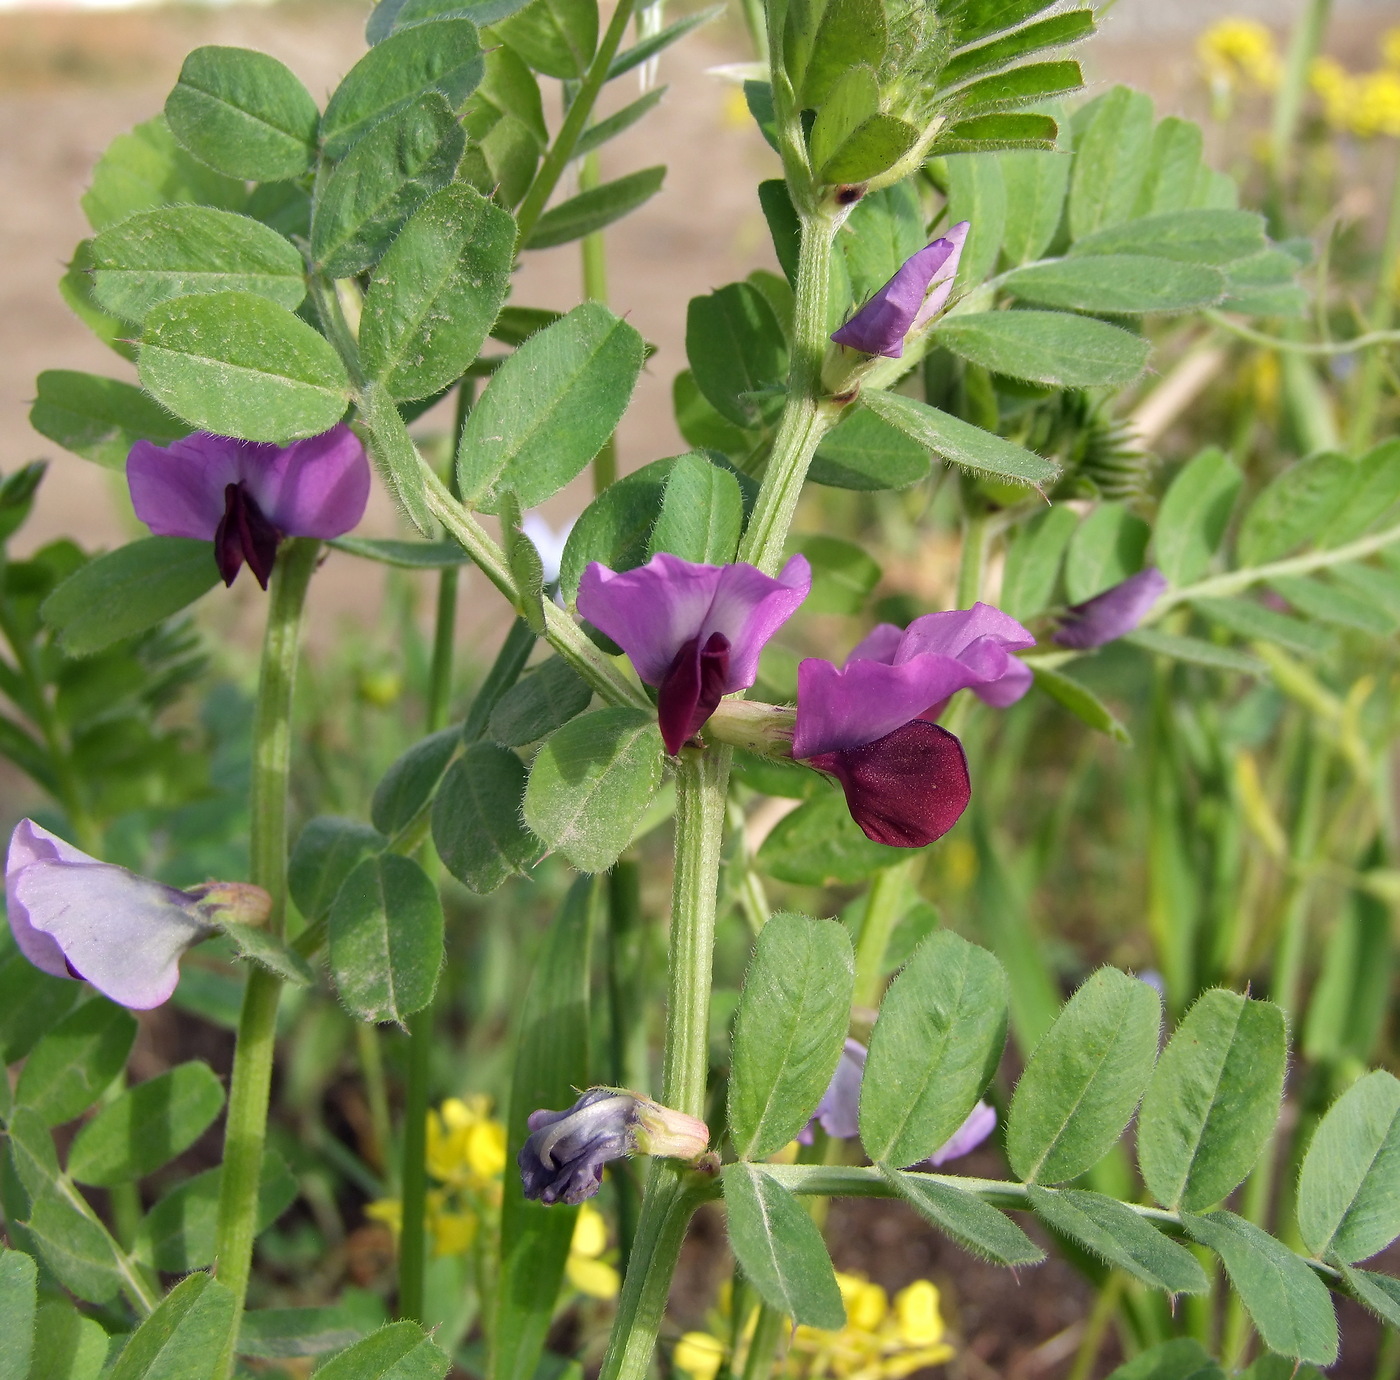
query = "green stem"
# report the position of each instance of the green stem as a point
(1368, 388)
(575, 122)
(1288, 103)
(763, 1345)
(413, 1234)
(377, 1095)
(1105, 1305)
(1369, 340)
(250, 1086)
(1218, 586)
(701, 783)
(884, 904)
(973, 559)
(626, 1017)
(672, 1195)
(806, 415)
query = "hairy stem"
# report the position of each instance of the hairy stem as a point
(251, 1084)
(575, 122)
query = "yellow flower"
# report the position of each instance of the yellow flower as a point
(587, 1273)
(916, 1308)
(386, 1210)
(1390, 47)
(878, 1342)
(452, 1232)
(1239, 53)
(466, 1148)
(1377, 105)
(699, 1355)
(1338, 90)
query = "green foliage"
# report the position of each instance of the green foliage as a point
(98, 418)
(1213, 1100)
(1349, 1189)
(327, 850)
(1053, 348)
(146, 1126)
(592, 210)
(1084, 1079)
(244, 114)
(75, 1063)
(538, 704)
(239, 365)
(550, 407)
(128, 591)
(819, 844)
(386, 937)
(591, 783)
(183, 1338)
(934, 1049)
(702, 512)
(974, 1225)
(737, 352)
(17, 1308)
(788, 1031)
(410, 783)
(399, 1351)
(477, 828)
(1194, 513)
(862, 451)
(779, 1248)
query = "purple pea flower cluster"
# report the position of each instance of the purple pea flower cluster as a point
(245, 496)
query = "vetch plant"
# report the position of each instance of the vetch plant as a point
(929, 432)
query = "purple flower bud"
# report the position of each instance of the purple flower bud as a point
(913, 297)
(562, 1160)
(1116, 611)
(838, 1113)
(245, 496)
(693, 631)
(869, 724)
(74, 916)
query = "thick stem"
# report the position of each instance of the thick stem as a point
(806, 416)
(251, 1083)
(580, 111)
(701, 784)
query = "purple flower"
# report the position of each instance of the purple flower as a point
(74, 916)
(562, 1160)
(245, 496)
(693, 631)
(838, 1113)
(1109, 615)
(913, 297)
(870, 723)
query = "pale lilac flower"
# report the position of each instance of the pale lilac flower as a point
(562, 1160)
(838, 1113)
(693, 631)
(1107, 616)
(914, 296)
(870, 723)
(75, 916)
(246, 496)
(547, 541)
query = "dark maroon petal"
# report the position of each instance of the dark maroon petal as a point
(244, 534)
(691, 689)
(905, 789)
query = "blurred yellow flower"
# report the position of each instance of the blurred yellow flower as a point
(699, 1355)
(1239, 54)
(1377, 108)
(878, 1342)
(586, 1272)
(466, 1148)
(1390, 47)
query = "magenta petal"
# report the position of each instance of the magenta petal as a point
(880, 326)
(313, 488)
(1116, 611)
(178, 490)
(122, 933)
(941, 284)
(881, 643)
(906, 789)
(953, 632)
(653, 611)
(980, 1123)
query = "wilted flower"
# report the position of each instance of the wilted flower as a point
(913, 297)
(563, 1159)
(693, 631)
(838, 1113)
(245, 496)
(870, 723)
(74, 916)
(1107, 616)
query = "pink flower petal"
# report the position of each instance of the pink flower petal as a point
(313, 488)
(178, 490)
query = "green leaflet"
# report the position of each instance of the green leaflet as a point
(99, 418)
(780, 1249)
(934, 1049)
(788, 1031)
(1084, 1080)
(1349, 1189)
